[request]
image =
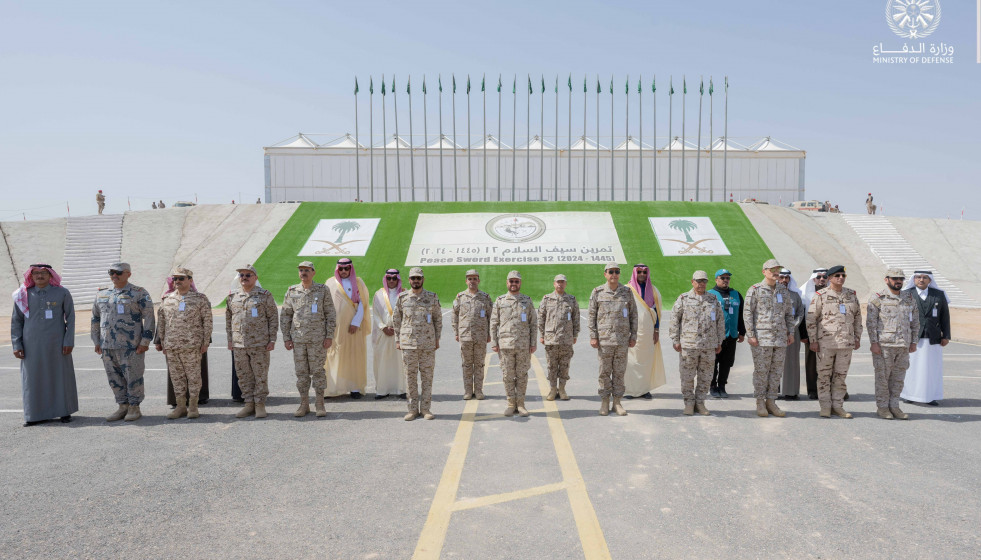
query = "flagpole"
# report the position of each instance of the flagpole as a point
(483, 92)
(469, 141)
(555, 178)
(613, 191)
(698, 156)
(456, 146)
(654, 107)
(357, 146)
(440, 81)
(626, 143)
(599, 90)
(425, 134)
(398, 147)
(684, 95)
(499, 139)
(528, 143)
(384, 140)
(514, 139)
(412, 148)
(541, 147)
(725, 145)
(585, 98)
(371, 136)
(640, 126)
(569, 155)
(670, 138)
(711, 141)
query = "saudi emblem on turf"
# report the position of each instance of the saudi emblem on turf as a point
(688, 237)
(913, 19)
(515, 228)
(336, 238)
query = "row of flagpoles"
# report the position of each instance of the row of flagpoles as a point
(514, 91)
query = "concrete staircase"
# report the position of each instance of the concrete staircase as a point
(92, 243)
(885, 241)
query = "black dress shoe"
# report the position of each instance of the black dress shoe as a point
(238, 400)
(933, 403)
(355, 395)
(846, 396)
(722, 393)
(378, 397)
(29, 424)
(66, 419)
(628, 396)
(647, 396)
(200, 402)
(714, 392)
(791, 397)
(403, 396)
(812, 396)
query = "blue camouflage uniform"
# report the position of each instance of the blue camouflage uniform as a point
(122, 321)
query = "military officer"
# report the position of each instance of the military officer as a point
(558, 326)
(697, 331)
(512, 329)
(418, 322)
(612, 331)
(122, 328)
(893, 324)
(471, 326)
(184, 325)
(307, 320)
(251, 320)
(834, 327)
(769, 320)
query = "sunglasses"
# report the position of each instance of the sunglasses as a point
(344, 268)
(115, 273)
(614, 271)
(899, 278)
(392, 277)
(821, 277)
(640, 270)
(246, 275)
(701, 281)
(514, 281)
(179, 278)
(839, 275)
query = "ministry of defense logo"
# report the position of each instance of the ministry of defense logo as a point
(515, 228)
(913, 19)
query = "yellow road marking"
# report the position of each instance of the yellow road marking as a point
(493, 416)
(472, 503)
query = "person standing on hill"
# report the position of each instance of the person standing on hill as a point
(100, 199)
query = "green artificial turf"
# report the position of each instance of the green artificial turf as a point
(671, 275)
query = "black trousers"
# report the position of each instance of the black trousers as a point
(202, 396)
(723, 363)
(236, 390)
(810, 365)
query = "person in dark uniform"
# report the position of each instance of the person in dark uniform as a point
(732, 312)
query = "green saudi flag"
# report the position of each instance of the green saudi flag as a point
(424, 85)
(599, 88)
(570, 82)
(468, 84)
(530, 89)
(711, 87)
(355, 86)
(482, 83)
(498, 83)
(701, 88)
(371, 85)
(653, 85)
(408, 85)
(439, 82)
(454, 83)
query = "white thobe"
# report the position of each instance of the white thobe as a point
(387, 361)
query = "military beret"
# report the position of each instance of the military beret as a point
(306, 264)
(559, 278)
(120, 267)
(472, 272)
(836, 269)
(181, 271)
(895, 272)
(772, 263)
(514, 274)
(416, 272)
(699, 275)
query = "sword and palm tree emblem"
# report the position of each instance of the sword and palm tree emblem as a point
(343, 228)
(686, 226)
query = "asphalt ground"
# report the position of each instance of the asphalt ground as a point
(563, 483)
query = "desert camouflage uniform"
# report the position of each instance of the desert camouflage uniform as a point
(471, 323)
(769, 317)
(183, 332)
(697, 324)
(558, 324)
(119, 334)
(251, 320)
(512, 328)
(893, 322)
(308, 319)
(418, 322)
(836, 333)
(612, 321)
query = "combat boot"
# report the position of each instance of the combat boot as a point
(260, 410)
(479, 395)
(319, 403)
(897, 413)
(509, 411)
(247, 410)
(192, 407)
(522, 411)
(605, 406)
(838, 411)
(552, 393)
(134, 413)
(467, 396)
(618, 408)
(761, 408)
(562, 394)
(825, 412)
(180, 410)
(410, 416)
(118, 415)
(700, 408)
(689, 409)
(884, 413)
(428, 415)
(772, 408)
(304, 406)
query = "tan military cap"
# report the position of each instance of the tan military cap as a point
(472, 272)
(416, 271)
(559, 278)
(895, 272)
(181, 271)
(610, 265)
(120, 267)
(514, 274)
(306, 264)
(248, 268)
(772, 263)
(699, 275)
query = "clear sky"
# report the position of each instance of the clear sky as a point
(175, 100)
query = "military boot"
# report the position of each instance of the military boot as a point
(479, 395)
(700, 408)
(509, 411)
(618, 408)
(884, 413)
(192, 407)
(319, 403)
(428, 415)
(772, 408)
(522, 411)
(247, 410)
(838, 411)
(410, 416)
(605, 406)
(825, 412)
(689, 409)
(552, 393)
(897, 413)
(467, 396)
(134, 413)
(118, 415)
(304, 406)
(260, 410)
(562, 394)
(180, 410)
(761, 408)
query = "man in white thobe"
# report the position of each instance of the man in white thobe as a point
(387, 360)
(645, 364)
(925, 376)
(347, 358)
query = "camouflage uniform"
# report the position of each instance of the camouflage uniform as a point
(418, 322)
(893, 323)
(558, 324)
(123, 320)
(513, 333)
(834, 321)
(769, 317)
(471, 323)
(251, 320)
(307, 319)
(697, 324)
(184, 325)
(612, 321)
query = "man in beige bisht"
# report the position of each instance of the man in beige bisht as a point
(645, 365)
(347, 358)
(387, 359)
